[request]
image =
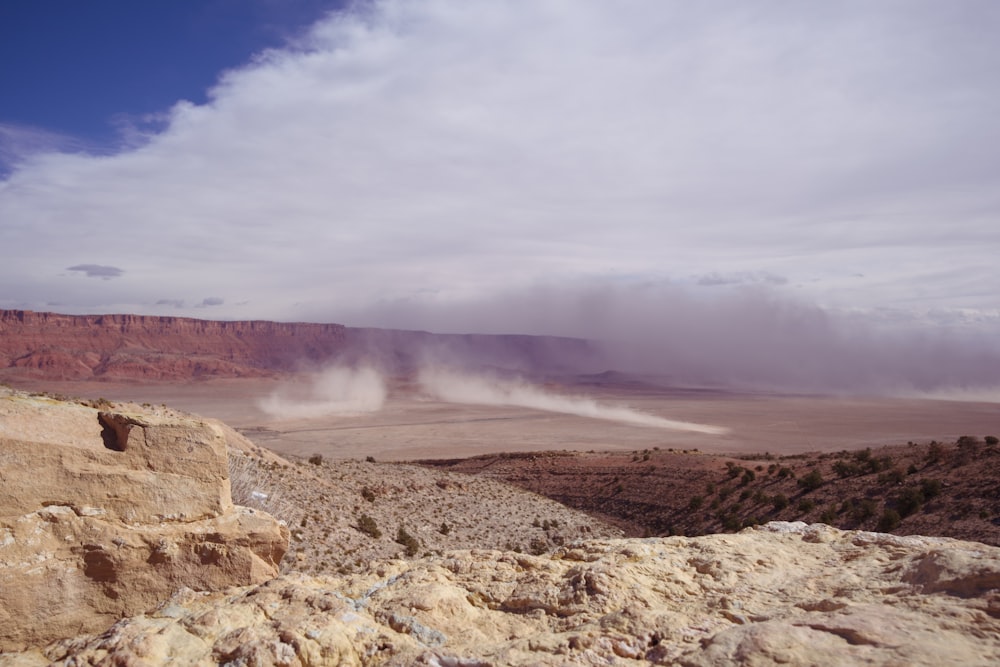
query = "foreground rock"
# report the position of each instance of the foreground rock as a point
(786, 593)
(105, 513)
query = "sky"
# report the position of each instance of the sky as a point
(547, 166)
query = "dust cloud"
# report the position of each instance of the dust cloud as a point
(333, 391)
(461, 387)
(741, 337)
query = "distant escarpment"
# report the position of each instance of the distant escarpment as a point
(138, 347)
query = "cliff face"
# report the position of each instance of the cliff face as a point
(138, 347)
(158, 348)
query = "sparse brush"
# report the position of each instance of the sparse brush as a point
(253, 486)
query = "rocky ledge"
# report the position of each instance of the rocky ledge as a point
(105, 512)
(783, 593)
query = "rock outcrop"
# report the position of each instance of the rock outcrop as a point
(784, 593)
(104, 513)
(52, 346)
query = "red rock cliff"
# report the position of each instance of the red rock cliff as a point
(140, 347)
(144, 347)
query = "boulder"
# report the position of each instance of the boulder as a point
(105, 513)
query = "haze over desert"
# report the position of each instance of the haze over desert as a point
(410, 425)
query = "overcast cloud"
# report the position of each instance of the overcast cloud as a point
(407, 160)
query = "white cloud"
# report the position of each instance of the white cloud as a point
(458, 149)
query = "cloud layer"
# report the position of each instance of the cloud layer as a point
(792, 180)
(438, 147)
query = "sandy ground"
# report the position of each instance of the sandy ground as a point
(410, 427)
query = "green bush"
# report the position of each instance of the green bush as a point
(930, 487)
(779, 502)
(411, 543)
(894, 476)
(890, 519)
(811, 480)
(367, 525)
(846, 469)
(909, 501)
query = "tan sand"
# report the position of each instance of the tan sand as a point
(409, 427)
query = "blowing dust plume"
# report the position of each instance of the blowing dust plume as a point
(333, 391)
(456, 387)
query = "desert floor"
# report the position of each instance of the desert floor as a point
(410, 427)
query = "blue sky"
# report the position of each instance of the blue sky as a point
(517, 166)
(84, 69)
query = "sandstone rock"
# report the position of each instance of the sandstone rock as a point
(786, 594)
(104, 514)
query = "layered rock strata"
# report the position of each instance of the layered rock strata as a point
(53, 346)
(104, 513)
(784, 593)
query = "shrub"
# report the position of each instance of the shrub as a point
(930, 487)
(779, 502)
(444, 529)
(909, 501)
(991, 440)
(316, 459)
(370, 459)
(784, 472)
(806, 505)
(865, 510)
(935, 452)
(368, 494)
(538, 546)
(731, 522)
(367, 525)
(811, 480)
(748, 476)
(411, 543)
(696, 502)
(890, 519)
(846, 469)
(894, 476)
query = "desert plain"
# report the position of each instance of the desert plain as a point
(411, 425)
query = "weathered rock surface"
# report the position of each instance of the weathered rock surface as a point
(105, 513)
(785, 593)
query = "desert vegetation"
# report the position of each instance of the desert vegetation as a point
(344, 513)
(931, 488)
